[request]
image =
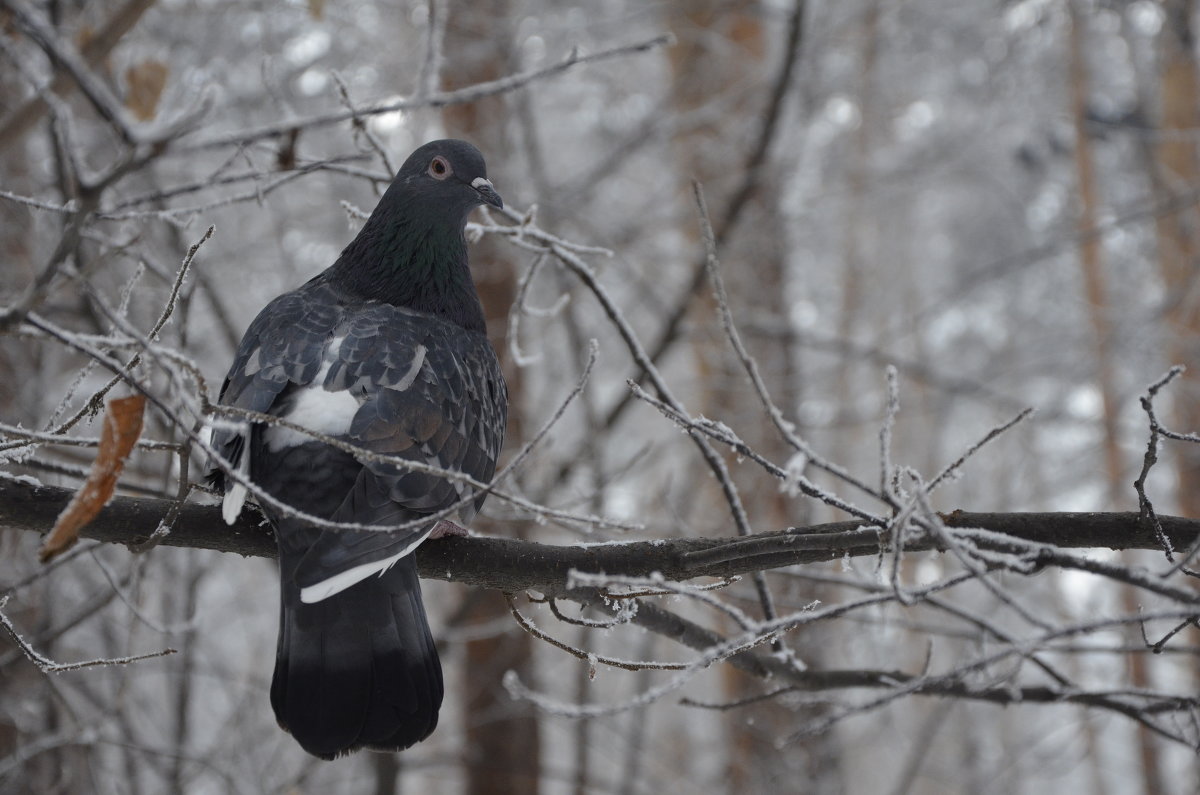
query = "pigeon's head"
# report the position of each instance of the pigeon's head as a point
(450, 174)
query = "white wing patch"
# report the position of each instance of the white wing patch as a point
(316, 408)
(343, 580)
(325, 412)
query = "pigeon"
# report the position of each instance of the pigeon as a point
(385, 351)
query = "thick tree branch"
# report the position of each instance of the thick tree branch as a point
(511, 565)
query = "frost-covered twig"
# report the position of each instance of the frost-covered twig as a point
(96, 402)
(725, 435)
(519, 308)
(623, 615)
(785, 428)
(1032, 556)
(434, 100)
(957, 463)
(1145, 506)
(576, 265)
(361, 127)
(591, 658)
(46, 665)
(657, 585)
(39, 437)
(114, 210)
(973, 560)
(648, 587)
(956, 682)
(721, 649)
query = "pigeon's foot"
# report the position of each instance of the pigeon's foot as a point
(445, 527)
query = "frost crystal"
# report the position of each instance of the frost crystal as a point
(794, 474)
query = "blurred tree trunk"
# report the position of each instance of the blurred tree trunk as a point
(502, 736)
(859, 230)
(182, 604)
(1095, 291)
(1177, 167)
(721, 56)
(719, 52)
(1099, 312)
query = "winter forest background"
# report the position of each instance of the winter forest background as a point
(927, 217)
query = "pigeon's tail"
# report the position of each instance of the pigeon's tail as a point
(359, 668)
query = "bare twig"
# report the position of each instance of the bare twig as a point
(69, 61)
(755, 161)
(590, 658)
(20, 120)
(46, 665)
(1145, 506)
(435, 100)
(792, 478)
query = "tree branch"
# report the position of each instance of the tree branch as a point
(67, 61)
(511, 565)
(436, 100)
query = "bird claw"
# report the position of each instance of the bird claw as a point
(445, 527)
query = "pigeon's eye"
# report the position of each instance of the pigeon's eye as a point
(439, 168)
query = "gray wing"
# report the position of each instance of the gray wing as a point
(431, 393)
(281, 349)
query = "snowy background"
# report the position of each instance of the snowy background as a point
(997, 199)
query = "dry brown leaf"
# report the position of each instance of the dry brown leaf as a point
(316, 8)
(122, 427)
(146, 82)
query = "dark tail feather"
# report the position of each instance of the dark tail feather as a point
(358, 669)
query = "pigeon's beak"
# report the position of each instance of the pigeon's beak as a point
(486, 192)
